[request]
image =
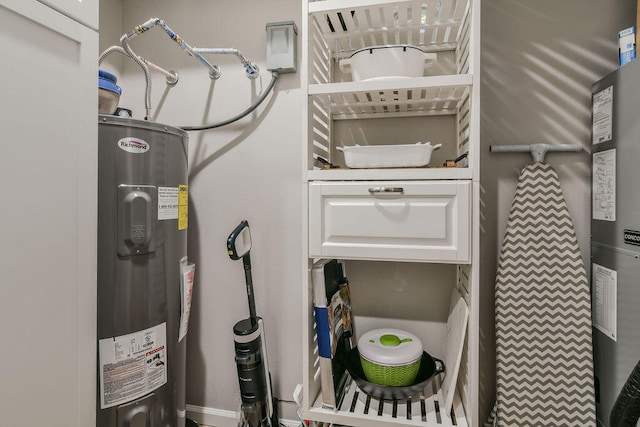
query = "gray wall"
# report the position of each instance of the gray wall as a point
(539, 59)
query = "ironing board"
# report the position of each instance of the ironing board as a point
(543, 312)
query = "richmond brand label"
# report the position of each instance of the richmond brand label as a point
(133, 145)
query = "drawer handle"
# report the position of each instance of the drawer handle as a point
(375, 190)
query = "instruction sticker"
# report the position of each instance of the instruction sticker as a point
(603, 200)
(132, 365)
(183, 207)
(605, 291)
(602, 127)
(167, 203)
(187, 273)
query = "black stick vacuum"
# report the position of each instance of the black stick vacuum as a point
(259, 407)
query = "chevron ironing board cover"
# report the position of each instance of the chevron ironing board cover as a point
(543, 312)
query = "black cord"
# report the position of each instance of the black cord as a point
(626, 409)
(274, 77)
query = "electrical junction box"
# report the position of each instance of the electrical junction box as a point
(282, 47)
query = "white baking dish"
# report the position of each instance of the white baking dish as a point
(386, 62)
(388, 156)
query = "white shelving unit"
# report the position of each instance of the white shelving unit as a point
(332, 30)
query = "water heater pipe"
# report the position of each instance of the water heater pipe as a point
(172, 76)
(145, 69)
(251, 69)
(147, 90)
(214, 70)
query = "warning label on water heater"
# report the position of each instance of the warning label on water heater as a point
(183, 207)
(173, 203)
(132, 365)
(167, 203)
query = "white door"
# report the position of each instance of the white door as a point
(48, 172)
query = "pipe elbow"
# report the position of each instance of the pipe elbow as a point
(252, 71)
(152, 22)
(215, 72)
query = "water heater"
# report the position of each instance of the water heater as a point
(144, 278)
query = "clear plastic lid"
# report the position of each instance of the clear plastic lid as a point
(390, 347)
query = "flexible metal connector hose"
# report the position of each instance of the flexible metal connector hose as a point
(124, 40)
(172, 76)
(121, 50)
(108, 51)
(214, 71)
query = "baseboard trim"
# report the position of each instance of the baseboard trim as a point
(222, 418)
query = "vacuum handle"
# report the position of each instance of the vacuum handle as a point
(239, 241)
(249, 282)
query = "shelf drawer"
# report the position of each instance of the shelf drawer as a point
(391, 220)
